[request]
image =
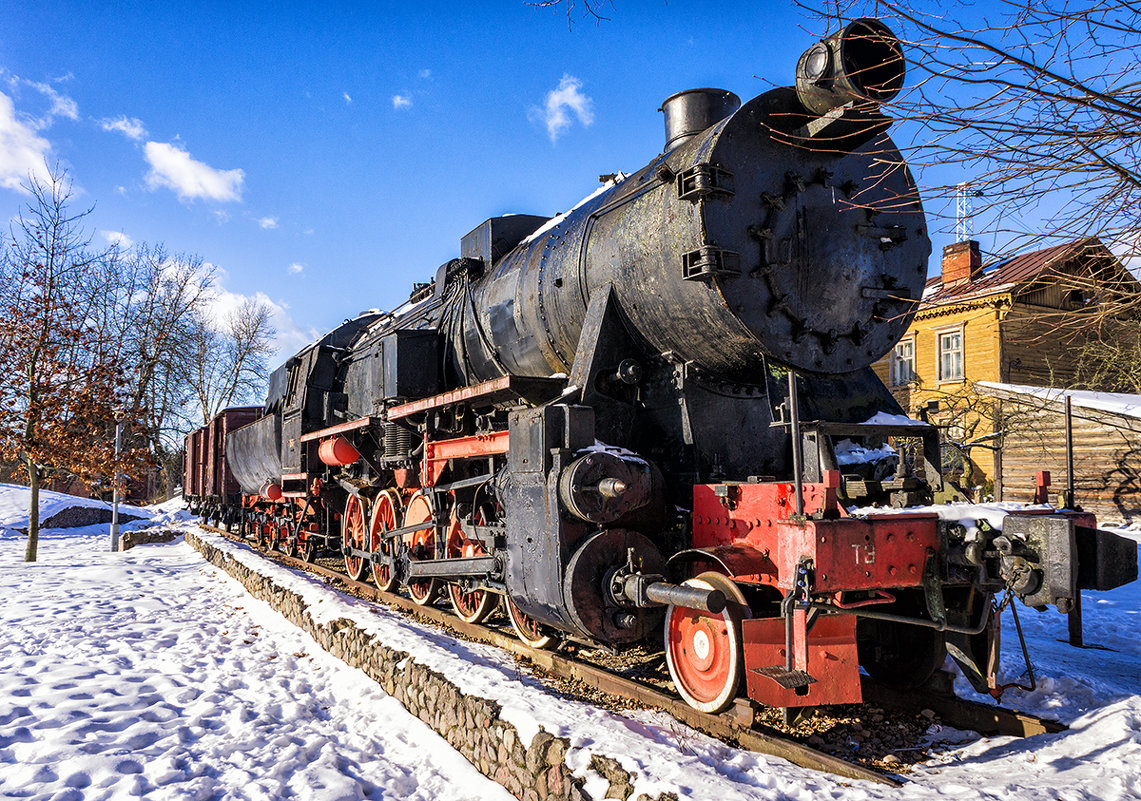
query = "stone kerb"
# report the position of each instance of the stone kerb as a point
(470, 724)
(129, 539)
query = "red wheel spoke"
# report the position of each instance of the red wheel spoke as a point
(421, 545)
(385, 513)
(703, 650)
(471, 606)
(527, 628)
(353, 535)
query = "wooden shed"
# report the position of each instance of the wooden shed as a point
(1107, 446)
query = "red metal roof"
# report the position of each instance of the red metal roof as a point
(1002, 275)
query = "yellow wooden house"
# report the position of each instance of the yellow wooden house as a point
(1018, 321)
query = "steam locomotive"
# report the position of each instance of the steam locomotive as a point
(648, 418)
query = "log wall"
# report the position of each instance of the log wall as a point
(1107, 458)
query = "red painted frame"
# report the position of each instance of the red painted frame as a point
(438, 452)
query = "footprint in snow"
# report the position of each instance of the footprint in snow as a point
(78, 780)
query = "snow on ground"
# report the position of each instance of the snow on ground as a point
(151, 673)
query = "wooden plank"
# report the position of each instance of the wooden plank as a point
(960, 713)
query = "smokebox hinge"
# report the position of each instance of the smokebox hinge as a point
(702, 180)
(708, 261)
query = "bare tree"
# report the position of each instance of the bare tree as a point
(1112, 362)
(228, 362)
(590, 9)
(148, 305)
(158, 312)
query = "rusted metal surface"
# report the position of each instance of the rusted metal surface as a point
(495, 390)
(486, 391)
(207, 475)
(191, 481)
(828, 654)
(438, 452)
(852, 554)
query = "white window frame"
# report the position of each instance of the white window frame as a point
(956, 431)
(941, 350)
(894, 377)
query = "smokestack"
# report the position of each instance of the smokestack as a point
(690, 112)
(962, 261)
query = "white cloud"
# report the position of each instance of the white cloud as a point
(130, 127)
(425, 73)
(173, 168)
(22, 150)
(62, 105)
(345, 95)
(401, 101)
(566, 97)
(117, 238)
(220, 216)
(295, 268)
(268, 223)
(290, 336)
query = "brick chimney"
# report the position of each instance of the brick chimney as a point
(962, 261)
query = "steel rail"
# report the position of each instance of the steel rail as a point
(734, 726)
(726, 727)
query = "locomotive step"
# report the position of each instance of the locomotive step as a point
(789, 679)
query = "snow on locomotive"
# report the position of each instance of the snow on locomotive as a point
(650, 415)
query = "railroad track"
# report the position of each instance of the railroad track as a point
(739, 725)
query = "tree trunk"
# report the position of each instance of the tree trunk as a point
(33, 512)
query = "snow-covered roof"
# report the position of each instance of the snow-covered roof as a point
(1112, 402)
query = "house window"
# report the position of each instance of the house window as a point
(903, 363)
(951, 356)
(956, 432)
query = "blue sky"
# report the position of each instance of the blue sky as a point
(329, 158)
